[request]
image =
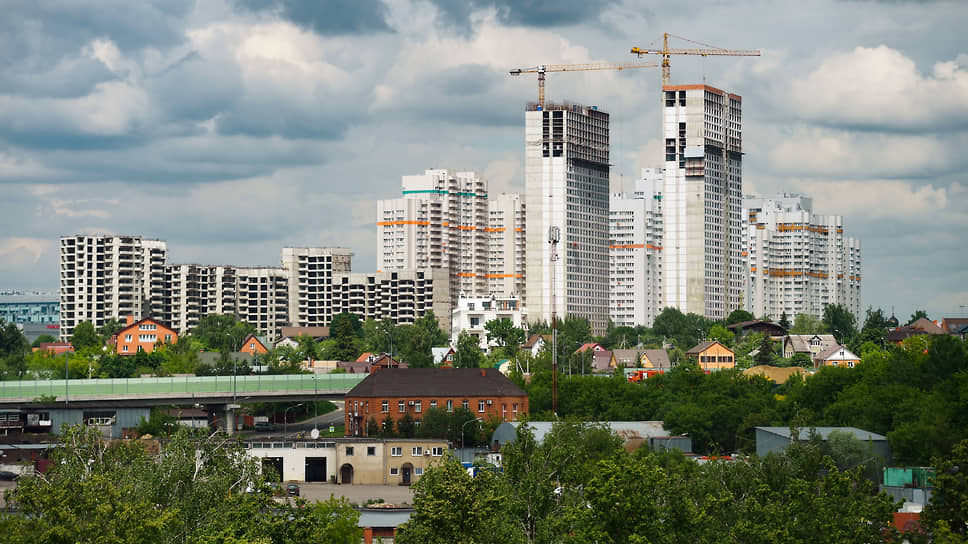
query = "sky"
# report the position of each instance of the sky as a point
(234, 128)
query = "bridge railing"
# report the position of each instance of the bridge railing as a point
(240, 385)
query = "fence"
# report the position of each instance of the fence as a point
(186, 385)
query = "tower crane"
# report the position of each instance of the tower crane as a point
(666, 52)
(542, 69)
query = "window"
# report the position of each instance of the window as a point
(433, 404)
(401, 406)
(127, 338)
(124, 348)
(514, 410)
(480, 406)
(396, 451)
(416, 450)
(450, 406)
(437, 451)
(417, 406)
(418, 471)
(394, 471)
(504, 411)
(349, 450)
(370, 451)
(386, 407)
(466, 404)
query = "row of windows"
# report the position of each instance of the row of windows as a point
(397, 451)
(418, 405)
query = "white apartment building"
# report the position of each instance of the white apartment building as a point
(310, 273)
(507, 235)
(106, 276)
(797, 261)
(440, 221)
(400, 296)
(702, 200)
(262, 299)
(567, 187)
(193, 291)
(635, 251)
(473, 313)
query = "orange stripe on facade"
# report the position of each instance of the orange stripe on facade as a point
(386, 223)
(494, 229)
(466, 275)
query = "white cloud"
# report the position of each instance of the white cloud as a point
(20, 251)
(881, 88)
(882, 199)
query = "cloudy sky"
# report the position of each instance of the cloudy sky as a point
(232, 128)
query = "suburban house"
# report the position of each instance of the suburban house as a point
(767, 327)
(289, 335)
(642, 358)
(954, 325)
(603, 361)
(535, 342)
(811, 344)
(396, 392)
(253, 345)
(369, 363)
(143, 335)
(837, 356)
(443, 355)
(54, 348)
(920, 327)
(711, 355)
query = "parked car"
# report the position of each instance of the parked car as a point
(293, 490)
(264, 427)
(6, 475)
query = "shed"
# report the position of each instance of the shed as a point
(777, 439)
(634, 433)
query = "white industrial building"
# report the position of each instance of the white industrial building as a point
(567, 188)
(797, 261)
(635, 251)
(440, 222)
(702, 200)
(262, 299)
(107, 276)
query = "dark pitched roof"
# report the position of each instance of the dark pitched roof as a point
(758, 326)
(703, 346)
(439, 382)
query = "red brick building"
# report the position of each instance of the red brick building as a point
(485, 392)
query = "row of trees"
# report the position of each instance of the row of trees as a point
(580, 485)
(914, 394)
(201, 489)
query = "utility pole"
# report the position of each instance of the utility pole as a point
(554, 236)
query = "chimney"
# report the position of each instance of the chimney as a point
(482, 373)
(129, 320)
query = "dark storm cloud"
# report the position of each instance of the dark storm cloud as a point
(537, 13)
(327, 17)
(196, 89)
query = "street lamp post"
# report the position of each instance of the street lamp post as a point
(285, 420)
(668, 441)
(462, 430)
(67, 377)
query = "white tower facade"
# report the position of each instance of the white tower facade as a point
(105, 277)
(309, 272)
(567, 186)
(440, 222)
(507, 234)
(797, 261)
(635, 251)
(702, 132)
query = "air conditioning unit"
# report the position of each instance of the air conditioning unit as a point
(490, 402)
(411, 403)
(426, 453)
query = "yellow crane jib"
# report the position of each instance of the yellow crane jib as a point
(542, 69)
(708, 50)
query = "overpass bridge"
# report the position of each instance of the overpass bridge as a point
(157, 391)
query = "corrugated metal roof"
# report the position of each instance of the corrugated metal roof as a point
(824, 432)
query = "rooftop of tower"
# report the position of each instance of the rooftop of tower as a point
(565, 106)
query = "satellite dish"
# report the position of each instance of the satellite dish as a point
(314, 434)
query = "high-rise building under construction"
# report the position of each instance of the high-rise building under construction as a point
(567, 188)
(702, 207)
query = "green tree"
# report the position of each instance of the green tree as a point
(346, 332)
(722, 334)
(469, 354)
(765, 355)
(43, 339)
(739, 316)
(947, 513)
(918, 314)
(85, 337)
(418, 339)
(407, 427)
(217, 332)
(387, 427)
(505, 334)
(807, 324)
(454, 507)
(784, 321)
(110, 328)
(13, 344)
(840, 322)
